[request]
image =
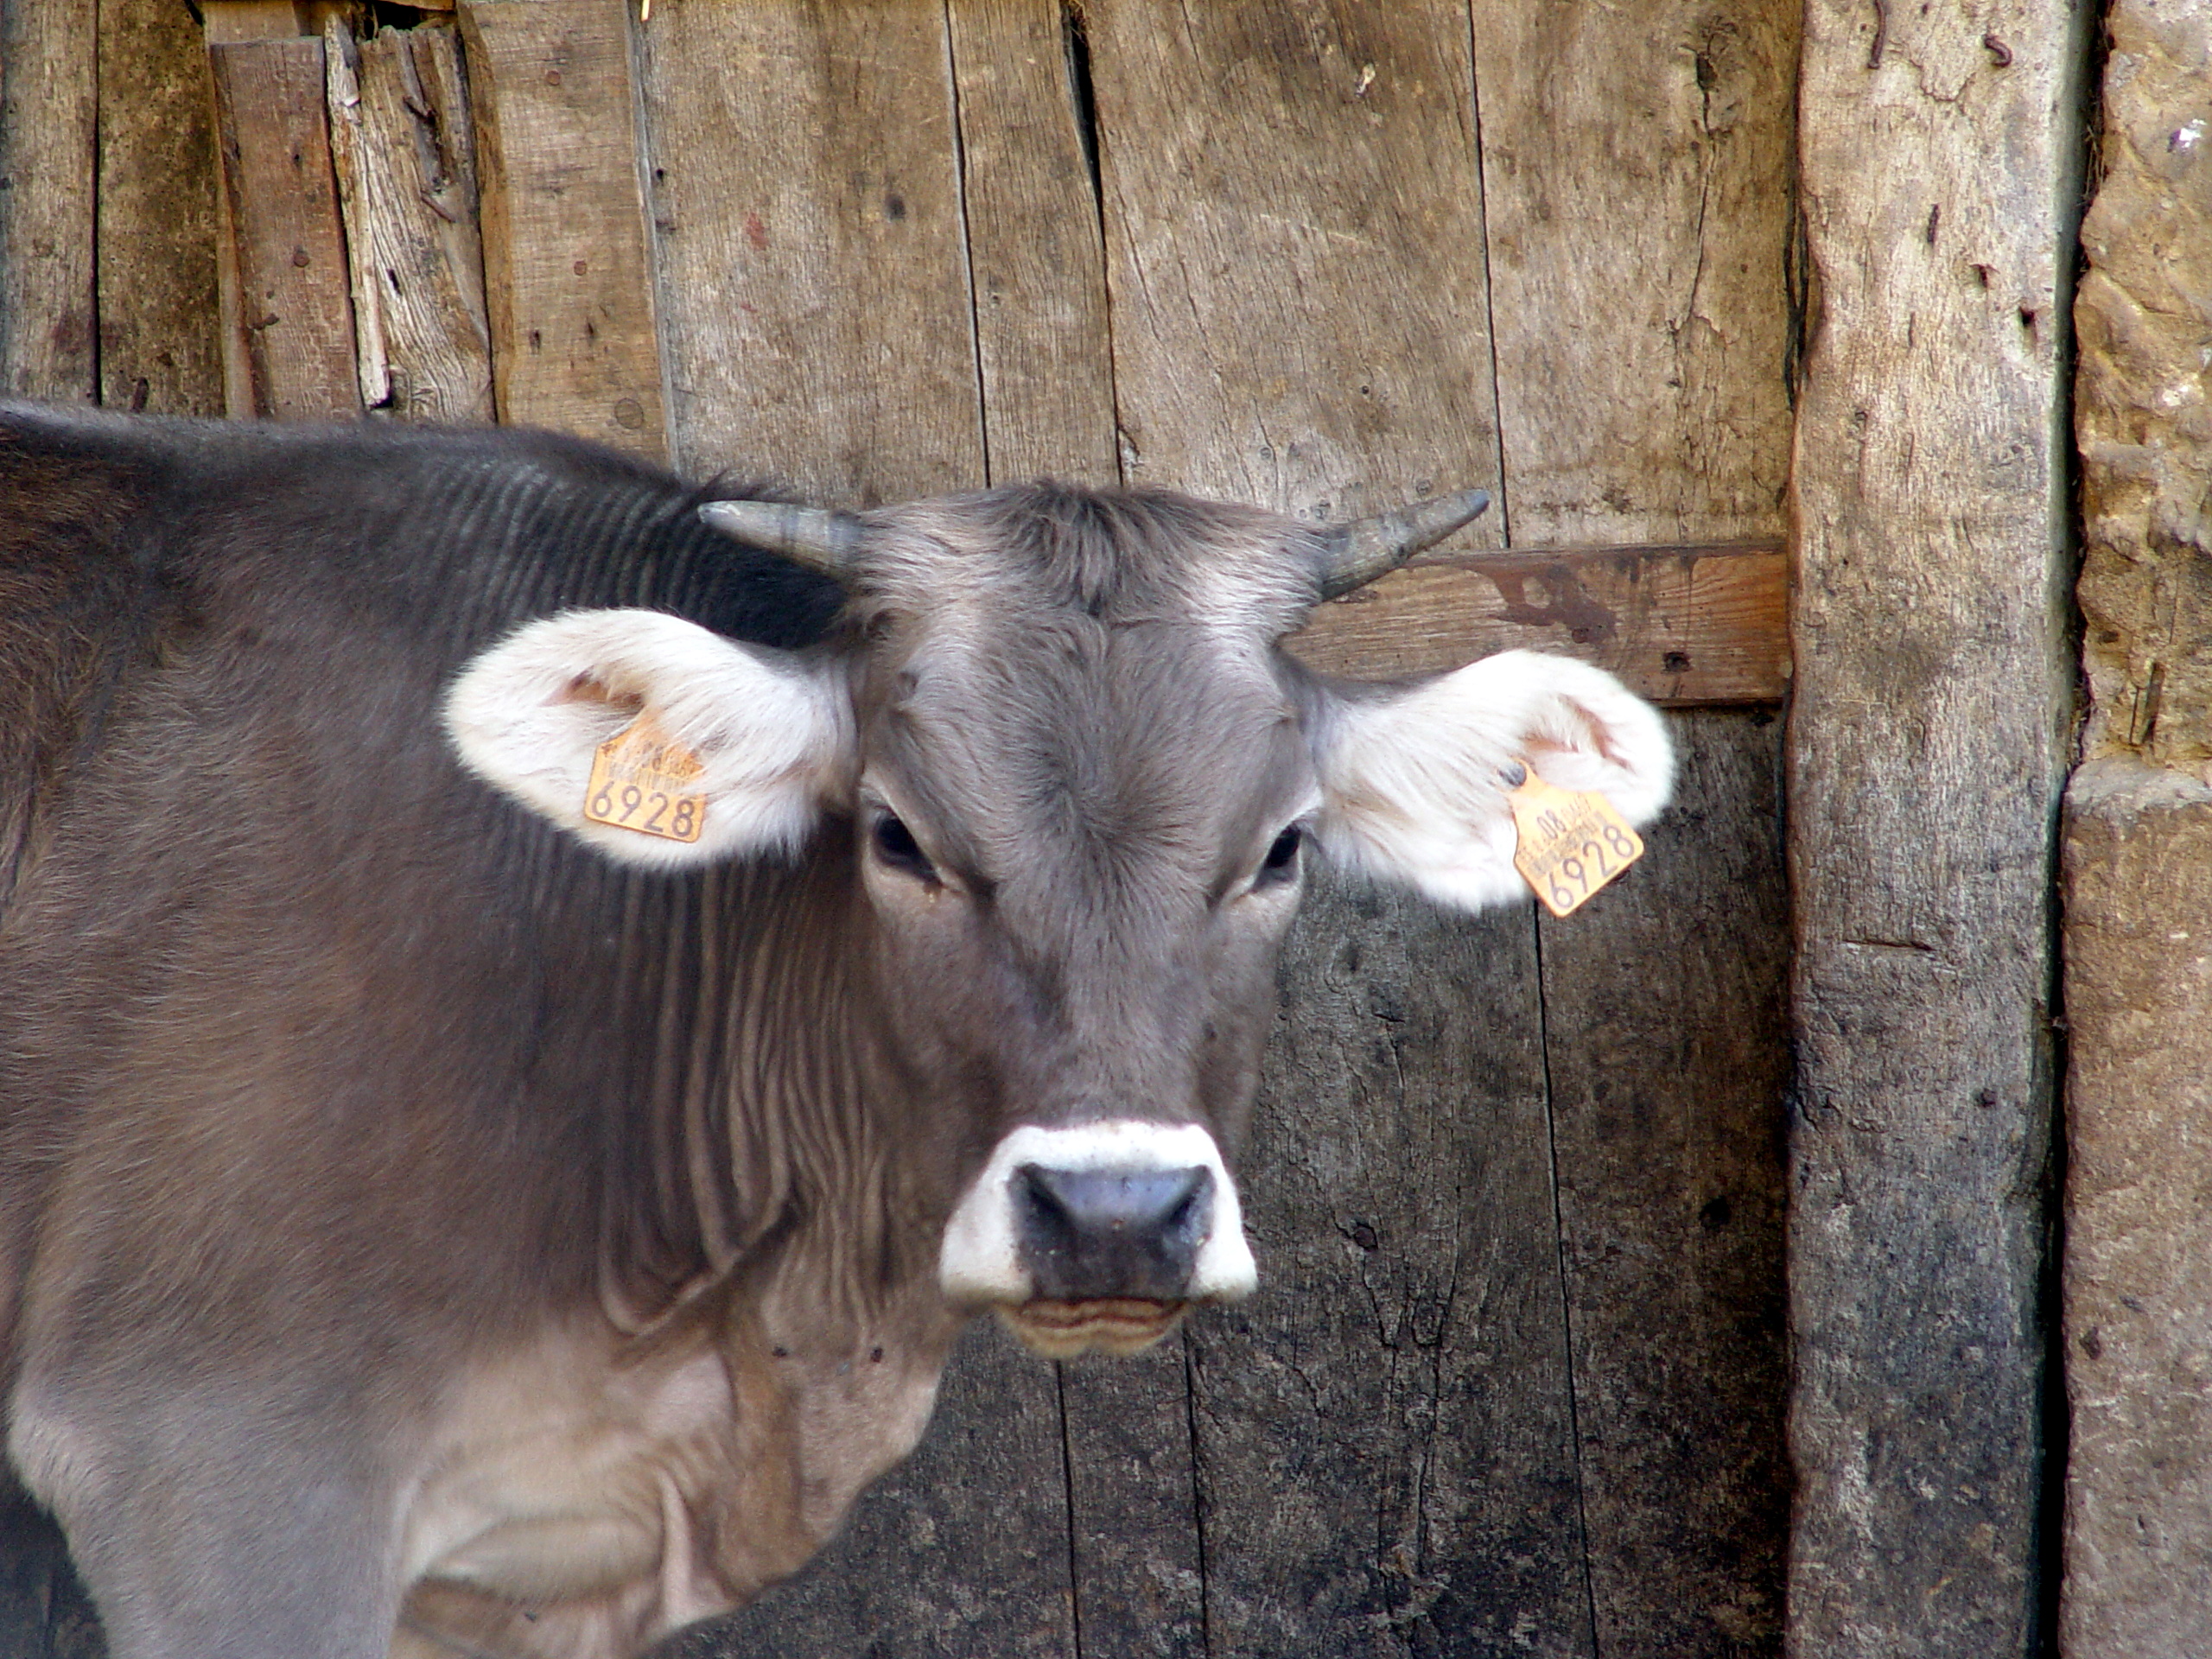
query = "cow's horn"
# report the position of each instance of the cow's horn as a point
(814, 537)
(1355, 553)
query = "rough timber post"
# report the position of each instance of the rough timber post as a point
(1940, 170)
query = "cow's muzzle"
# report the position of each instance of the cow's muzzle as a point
(1098, 1236)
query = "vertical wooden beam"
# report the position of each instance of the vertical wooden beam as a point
(161, 316)
(568, 270)
(48, 134)
(812, 266)
(1939, 165)
(1643, 392)
(1266, 168)
(293, 325)
(2139, 1228)
(404, 146)
(1636, 162)
(1035, 254)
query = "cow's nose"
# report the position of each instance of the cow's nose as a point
(1092, 1233)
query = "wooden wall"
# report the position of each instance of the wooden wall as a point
(1515, 1382)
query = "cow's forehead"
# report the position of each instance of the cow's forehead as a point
(1104, 665)
(1008, 559)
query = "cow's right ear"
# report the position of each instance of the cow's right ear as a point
(772, 730)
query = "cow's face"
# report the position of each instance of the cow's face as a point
(1080, 786)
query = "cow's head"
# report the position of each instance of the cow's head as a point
(1078, 783)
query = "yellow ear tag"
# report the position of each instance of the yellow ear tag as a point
(1570, 843)
(638, 777)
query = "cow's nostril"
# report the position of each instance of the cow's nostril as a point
(1134, 1232)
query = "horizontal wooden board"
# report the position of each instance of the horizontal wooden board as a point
(1680, 624)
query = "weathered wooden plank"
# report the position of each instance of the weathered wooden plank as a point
(1635, 165)
(404, 146)
(49, 137)
(1940, 168)
(1133, 1506)
(568, 270)
(229, 21)
(1292, 210)
(961, 1553)
(1679, 625)
(1668, 1059)
(1035, 255)
(806, 192)
(160, 314)
(1385, 1453)
(2138, 1227)
(294, 316)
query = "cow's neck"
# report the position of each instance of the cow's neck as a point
(755, 1139)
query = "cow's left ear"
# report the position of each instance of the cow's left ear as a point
(1415, 778)
(772, 731)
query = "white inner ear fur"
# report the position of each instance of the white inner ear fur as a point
(1415, 782)
(773, 729)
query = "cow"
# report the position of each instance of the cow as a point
(443, 1211)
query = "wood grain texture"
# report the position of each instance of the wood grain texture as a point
(48, 137)
(1385, 1452)
(160, 313)
(568, 268)
(1636, 161)
(1927, 747)
(807, 192)
(1293, 219)
(1679, 625)
(1036, 259)
(1667, 1060)
(404, 145)
(295, 316)
(1636, 171)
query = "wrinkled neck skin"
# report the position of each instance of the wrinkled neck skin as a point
(768, 1331)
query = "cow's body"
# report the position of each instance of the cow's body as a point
(414, 1218)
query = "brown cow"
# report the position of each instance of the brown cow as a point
(437, 1219)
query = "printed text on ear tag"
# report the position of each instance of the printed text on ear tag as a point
(638, 779)
(1569, 842)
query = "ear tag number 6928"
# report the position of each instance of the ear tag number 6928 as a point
(1569, 842)
(638, 782)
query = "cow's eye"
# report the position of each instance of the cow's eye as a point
(896, 846)
(1281, 861)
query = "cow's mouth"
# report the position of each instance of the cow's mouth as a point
(1109, 1325)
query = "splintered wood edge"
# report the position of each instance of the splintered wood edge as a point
(1682, 624)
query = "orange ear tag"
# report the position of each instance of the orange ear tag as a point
(638, 778)
(1570, 843)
